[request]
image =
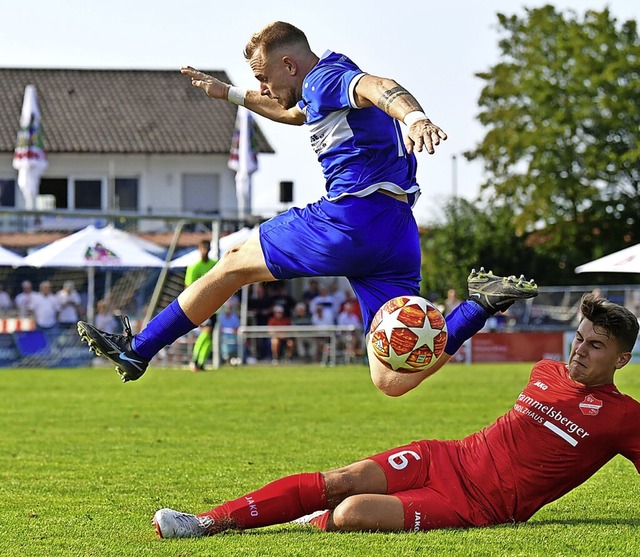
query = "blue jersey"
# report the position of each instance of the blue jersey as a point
(361, 150)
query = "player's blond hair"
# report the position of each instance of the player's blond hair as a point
(275, 35)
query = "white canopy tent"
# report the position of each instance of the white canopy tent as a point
(9, 258)
(623, 261)
(91, 248)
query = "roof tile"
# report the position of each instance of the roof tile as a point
(119, 111)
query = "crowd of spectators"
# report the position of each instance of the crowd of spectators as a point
(51, 311)
(322, 304)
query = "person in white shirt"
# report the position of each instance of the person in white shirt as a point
(45, 307)
(70, 305)
(24, 299)
(105, 319)
(322, 316)
(325, 300)
(6, 304)
(352, 341)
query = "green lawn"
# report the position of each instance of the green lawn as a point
(85, 461)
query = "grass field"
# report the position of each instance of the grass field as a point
(86, 460)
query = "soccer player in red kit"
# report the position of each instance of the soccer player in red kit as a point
(567, 423)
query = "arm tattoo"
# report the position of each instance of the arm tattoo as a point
(388, 97)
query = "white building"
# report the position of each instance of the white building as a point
(124, 140)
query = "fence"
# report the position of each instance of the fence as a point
(130, 291)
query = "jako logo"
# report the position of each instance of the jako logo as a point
(541, 385)
(416, 522)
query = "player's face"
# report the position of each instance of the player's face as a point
(595, 355)
(276, 79)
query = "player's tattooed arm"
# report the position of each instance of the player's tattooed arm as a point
(398, 103)
(400, 96)
(386, 94)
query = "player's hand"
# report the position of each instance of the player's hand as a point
(213, 87)
(423, 134)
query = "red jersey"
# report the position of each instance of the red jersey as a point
(556, 436)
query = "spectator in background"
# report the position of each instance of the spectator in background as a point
(281, 297)
(260, 307)
(105, 319)
(322, 316)
(45, 307)
(451, 302)
(350, 298)
(229, 322)
(338, 296)
(325, 300)
(313, 289)
(70, 305)
(24, 300)
(279, 341)
(6, 304)
(351, 341)
(203, 346)
(305, 346)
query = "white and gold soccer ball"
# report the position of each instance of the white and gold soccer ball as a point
(408, 334)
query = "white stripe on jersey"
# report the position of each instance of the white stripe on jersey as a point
(332, 130)
(573, 442)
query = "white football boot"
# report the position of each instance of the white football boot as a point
(174, 524)
(307, 518)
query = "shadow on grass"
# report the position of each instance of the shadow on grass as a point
(581, 521)
(289, 528)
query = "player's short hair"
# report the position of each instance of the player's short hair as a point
(617, 320)
(275, 35)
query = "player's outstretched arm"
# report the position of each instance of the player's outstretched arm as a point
(253, 100)
(398, 103)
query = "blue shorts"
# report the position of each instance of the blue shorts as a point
(373, 241)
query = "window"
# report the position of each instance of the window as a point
(7, 193)
(126, 194)
(58, 188)
(88, 194)
(201, 193)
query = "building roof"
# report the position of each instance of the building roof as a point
(119, 111)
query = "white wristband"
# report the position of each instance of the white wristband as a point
(413, 117)
(236, 95)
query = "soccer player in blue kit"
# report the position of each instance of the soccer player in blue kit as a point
(362, 229)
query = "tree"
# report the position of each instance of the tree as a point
(471, 237)
(562, 148)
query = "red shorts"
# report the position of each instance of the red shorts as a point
(425, 476)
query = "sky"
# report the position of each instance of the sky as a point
(434, 49)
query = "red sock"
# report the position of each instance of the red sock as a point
(277, 502)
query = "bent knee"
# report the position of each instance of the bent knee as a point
(391, 383)
(368, 513)
(247, 261)
(347, 516)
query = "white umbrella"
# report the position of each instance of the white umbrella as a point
(94, 247)
(29, 158)
(623, 261)
(225, 243)
(9, 258)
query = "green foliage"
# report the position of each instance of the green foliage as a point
(472, 237)
(86, 460)
(562, 147)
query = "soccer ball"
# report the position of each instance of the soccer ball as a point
(408, 334)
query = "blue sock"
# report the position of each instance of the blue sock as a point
(462, 323)
(166, 327)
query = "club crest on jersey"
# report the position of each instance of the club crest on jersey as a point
(590, 406)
